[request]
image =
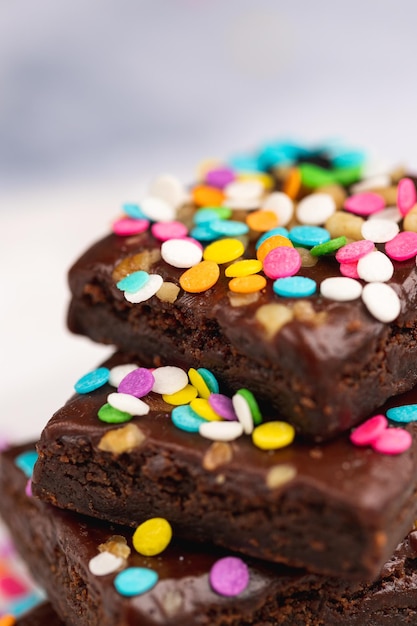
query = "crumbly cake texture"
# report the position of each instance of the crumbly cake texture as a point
(323, 362)
(59, 546)
(334, 508)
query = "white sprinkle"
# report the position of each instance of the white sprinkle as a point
(118, 372)
(181, 253)
(341, 288)
(375, 267)
(128, 403)
(244, 190)
(244, 205)
(147, 291)
(105, 563)
(243, 413)
(379, 230)
(315, 209)
(374, 182)
(281, 205)
(389, 213)
(169, 188)
(169, 379)
(157, 210)
(381, 301)
(221, 431)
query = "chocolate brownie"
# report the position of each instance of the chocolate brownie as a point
(59, 545)
(41, 615)
(333, 508)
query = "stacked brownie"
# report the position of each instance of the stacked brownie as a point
(260, 407)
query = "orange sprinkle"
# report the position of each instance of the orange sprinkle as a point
(262, 220)
(247, 284)
(292, 183)
(204, 195)
(271, 243)
(7, 620)
(200, 277)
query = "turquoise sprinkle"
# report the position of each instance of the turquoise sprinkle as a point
(133, 282)
(134, 581)
(245, 163)
(272, 156)
(294, 286)
(93, 380)
(184, 418)
(403, 414)
(20, 607)
(229, 228)
(351, 158)
(26, 462)
(205, 216)
(210, 379)
(134, 211)
(308, 236)
(278, 230)
(203, 233)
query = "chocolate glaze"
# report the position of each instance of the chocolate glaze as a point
(324, 373)
(58, 545)
(344, 509)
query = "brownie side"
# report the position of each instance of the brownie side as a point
(332, 508)
(41, 615)
(58, 546)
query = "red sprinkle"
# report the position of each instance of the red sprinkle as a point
(406, 195)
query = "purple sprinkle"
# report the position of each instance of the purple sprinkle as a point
(28, 489)
(223, 406)
(137, 383)
(229, 576)
(220, 177)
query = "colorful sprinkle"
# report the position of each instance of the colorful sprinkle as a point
(262, 220)
(134, 581)
(201, 277)
(118, 372)
(223, 406)
(340, 288)
(375, 267)
(184, 418)
(210, 379)
(184, 396)
(273, 435)
(295, 287)
(138, 382)
(349, 270)
(157, 209)
(282, 262)
(229, 228)
(364, 203)
(133, 282)
(247, 284)
(133, 210)
(168, 188)
(281, 204)
(147, 291)
(380, 230)
(403, 246)
(26, 462)
(128, 404)
(229, 576)
(127, 226)
(329, 247)
(110, 415)
(220, 177)
(279, 230)
(198, 382)
(271, 243)
(315, 209)
(203, 408)
(169, 379)
(246, 267)
(181, 253)
(221, 431)
(405, 414)
(93, 380)
(352, 252)
(168, 230)
(393, 441)
(105, 563)
(224, 250)
(406, 195)
(152, 537)
(369, 431)
(207, 195)
(381, 301)
(308, 236)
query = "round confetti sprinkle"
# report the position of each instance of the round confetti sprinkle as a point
(168, 230)
(375, 267)
(26, 462)
(262, 220)
(340, 288)
(404, 414)
(133, 282)
(242, 190)
(152, 537)
(134, 581)
(243, 413)
(200, 277)
(198, 382)
(220, 177)
(207, 216)
(403, 246)
(281, 204)
(370, 430)
(204, 233)
(118, 372)
(207, 195)
(270, 244)
(229, 228)
(247, 284)
(184, 396)
(315, 209)
(393, 441)
(273, 435)
(229, 576)
(93, 380)
(406, 195)
(204, 409)
(364, 203)
(295, 287)
(328, 247)
(168, 188)
(292, 183)
(380, 230)
(110, 415)
(157, 209)
(223, 406)
(352, 252)
(138, 382)
(381, 301)
(128, 404)
(282, 262)
(221, 431)
(181, 253)
(169, 379)
(308, 236)
(210, 379)
(280, 230)
(184, 418)
(127, 226)
(350, 270)
(105, 563)
(133, 210)
(246, 267)
(147, 291)
(224, 250)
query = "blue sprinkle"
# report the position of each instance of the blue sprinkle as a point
(184, 418)
(26, 462)
(134, 211)
(229, 228)
(210, 379)
(134, 581)
(403, 414)
(272, 156)
(205, 216)
(133, 282)
(278, 230)
(352, 158)
(203, 233)
(294, 286)
(20, 607)
(245, 163)
(308, 236)
(93, 380)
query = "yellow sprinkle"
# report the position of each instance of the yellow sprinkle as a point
(224, 250)
(273, 435)
(247, 284)
(246, 267)
(199, 383)
(261, 221)
(200, 277)
(202, 407)
(269, 244)
(184, 396)
(152, 537)
(265, 179)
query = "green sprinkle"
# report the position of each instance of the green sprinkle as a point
(314, 176)
(347, 175)
(253, 405)
(329, 246)
(111, 415)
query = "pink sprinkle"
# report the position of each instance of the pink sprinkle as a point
(364, 203)
(350, 270)
(352, 252)
(168, 230)
(12, 587)
(281, 262)
(403, 246)
(197, 243)
(229, 576)
(369, 431)
(393, 441)
(223, 406)
(220, 177)
(28, 488)
(126, 226)
(406, 195)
